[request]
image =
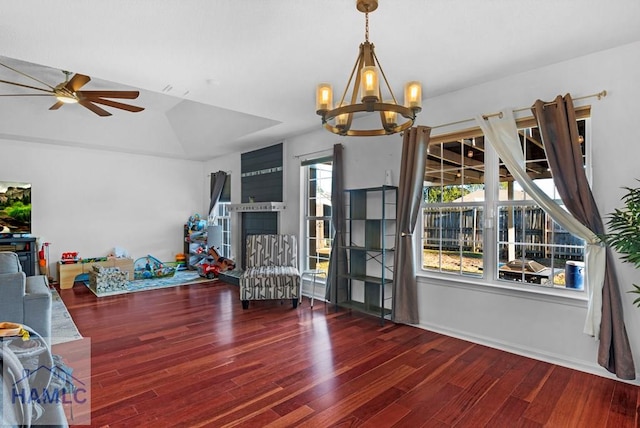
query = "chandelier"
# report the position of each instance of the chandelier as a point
(365, 76)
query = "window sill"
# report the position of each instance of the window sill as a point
(521, 290)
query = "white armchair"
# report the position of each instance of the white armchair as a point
(272, 269)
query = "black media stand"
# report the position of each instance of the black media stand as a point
(26, 249)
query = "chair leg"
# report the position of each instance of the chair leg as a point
(295, 303)
(245, 304)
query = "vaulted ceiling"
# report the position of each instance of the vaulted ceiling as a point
(220, 76)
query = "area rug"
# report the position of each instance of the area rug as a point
(184, 277)
(63, 329)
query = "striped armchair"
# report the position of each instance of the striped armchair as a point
(271, 269)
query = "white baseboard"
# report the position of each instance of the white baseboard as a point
(559, 360)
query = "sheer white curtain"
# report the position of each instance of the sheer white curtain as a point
(502, 133)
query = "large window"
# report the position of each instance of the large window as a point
(223, 219)
(318, 234)
(479, 223)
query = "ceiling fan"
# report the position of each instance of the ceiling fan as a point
(68, 92)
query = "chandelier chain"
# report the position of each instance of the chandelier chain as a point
(366, 27)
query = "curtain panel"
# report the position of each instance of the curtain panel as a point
(502, 133)
(336, 281)
(412, 166)
(559, 132)
(215, 189)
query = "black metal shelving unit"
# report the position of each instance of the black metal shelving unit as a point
(370, 242)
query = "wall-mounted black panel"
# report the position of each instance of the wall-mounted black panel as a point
(262, 188)
(262, 175)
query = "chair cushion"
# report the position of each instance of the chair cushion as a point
(270, 271)
(9, 262)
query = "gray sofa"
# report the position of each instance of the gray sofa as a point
(24, 299)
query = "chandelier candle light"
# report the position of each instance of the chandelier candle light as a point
(367, 71)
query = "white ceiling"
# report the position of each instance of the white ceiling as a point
(221, 76)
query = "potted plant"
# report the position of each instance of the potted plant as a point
(624, 232)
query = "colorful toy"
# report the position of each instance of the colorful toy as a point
(214, 264)
(196, 224)
(208, 269)
(150, 267)
(222, 262)
(181, 261)
(70, 257)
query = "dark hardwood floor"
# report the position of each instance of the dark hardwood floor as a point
(190, 356)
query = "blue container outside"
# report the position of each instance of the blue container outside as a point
(574, 275)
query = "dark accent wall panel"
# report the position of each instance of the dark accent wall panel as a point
(262, 175)
(262, 181)
(257, 223)
(263, 188)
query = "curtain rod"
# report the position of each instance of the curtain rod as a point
(330, 150)
(598, 95)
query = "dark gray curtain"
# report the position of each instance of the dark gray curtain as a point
(336, 281)
(405, 289)
(216, 186)
(559, 132)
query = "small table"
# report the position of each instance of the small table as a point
(314, 274)
(67, 272)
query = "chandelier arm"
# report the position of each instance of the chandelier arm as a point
(353, 71)
(384, 77)
(356, 85)
(360, 61)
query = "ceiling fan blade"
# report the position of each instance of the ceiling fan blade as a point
(56, 106)
(27, 76)
(130, 95)
(27, 86)
(25, 95)
(94, 108)
(77, 81)
(127, 107)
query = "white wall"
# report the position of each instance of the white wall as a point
(544, 328)
(91, 201)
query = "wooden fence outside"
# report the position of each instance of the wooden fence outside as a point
(451, 229)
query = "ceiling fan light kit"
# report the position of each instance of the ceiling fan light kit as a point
(63, 94)
(68, 92)
(365, 76)
(67, 99)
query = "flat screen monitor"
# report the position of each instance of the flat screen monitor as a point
(15, 208)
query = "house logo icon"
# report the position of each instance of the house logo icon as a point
(49, 385)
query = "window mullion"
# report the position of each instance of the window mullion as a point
(492, 190)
